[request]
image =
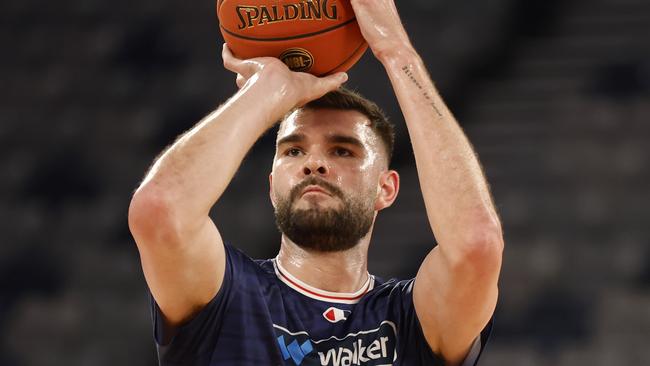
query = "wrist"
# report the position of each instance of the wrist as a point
(398, 57)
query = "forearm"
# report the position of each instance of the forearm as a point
(195, 171)
(456, 194)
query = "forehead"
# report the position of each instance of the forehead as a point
(316, 123)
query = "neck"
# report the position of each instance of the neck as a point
(345, 271)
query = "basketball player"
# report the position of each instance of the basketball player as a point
(316, 303)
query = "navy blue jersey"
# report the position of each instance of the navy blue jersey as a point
(264, 316)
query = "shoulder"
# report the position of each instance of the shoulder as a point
(242, 262)
(394, 296)
(246, 276)
(392, 288)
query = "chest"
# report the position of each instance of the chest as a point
(318, 333)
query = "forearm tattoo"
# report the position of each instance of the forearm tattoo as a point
(425, 93)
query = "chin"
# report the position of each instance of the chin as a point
(311, 205)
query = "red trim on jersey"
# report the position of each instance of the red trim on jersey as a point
(322, 295)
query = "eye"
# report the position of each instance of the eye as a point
(293, 152)
(342, 152)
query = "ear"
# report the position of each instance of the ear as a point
(387, 189)
(271, 189)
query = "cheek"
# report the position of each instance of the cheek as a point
(371, 184)
(369, 162)
(282, 183)
(284, 169)
(277, 188)
(360, 185)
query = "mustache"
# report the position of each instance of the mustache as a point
(309, 181)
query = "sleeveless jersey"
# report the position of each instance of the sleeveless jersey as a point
(264, 316)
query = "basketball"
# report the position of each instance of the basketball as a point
(320, 37)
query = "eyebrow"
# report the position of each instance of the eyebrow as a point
(294, 137)
(340, 139)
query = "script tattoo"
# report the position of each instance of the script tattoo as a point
(425, 93)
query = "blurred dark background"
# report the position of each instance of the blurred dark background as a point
(553, 94)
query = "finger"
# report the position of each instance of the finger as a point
(244, 67)
(323, 85)
(230, 62)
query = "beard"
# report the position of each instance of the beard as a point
(324, 229)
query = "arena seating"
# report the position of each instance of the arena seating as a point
(553, 95)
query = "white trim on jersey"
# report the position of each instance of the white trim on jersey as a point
(318, 294)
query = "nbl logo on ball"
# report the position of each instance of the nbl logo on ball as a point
(297, 59)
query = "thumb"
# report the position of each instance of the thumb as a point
(333, 82)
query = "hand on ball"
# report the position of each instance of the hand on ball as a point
(295, 88)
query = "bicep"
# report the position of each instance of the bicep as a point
(454, 301)
(183, 271)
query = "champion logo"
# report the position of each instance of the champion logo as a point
(334, 315)
(295, 351)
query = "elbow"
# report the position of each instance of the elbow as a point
(481, 250)
(486, 244)
(151, 218)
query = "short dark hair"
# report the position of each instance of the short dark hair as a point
(346, 99)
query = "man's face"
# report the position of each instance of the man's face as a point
(326, 178)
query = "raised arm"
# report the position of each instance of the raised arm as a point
(455, 289)
(181, 251)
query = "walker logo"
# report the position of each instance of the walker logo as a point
(294, 351)
(367, 348)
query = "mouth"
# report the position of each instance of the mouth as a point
(315, 190)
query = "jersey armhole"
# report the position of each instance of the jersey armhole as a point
(475, 351)
(479, 344)
(213, 308)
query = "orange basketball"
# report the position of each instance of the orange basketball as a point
(316, 36)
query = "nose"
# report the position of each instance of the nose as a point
(315, 165)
